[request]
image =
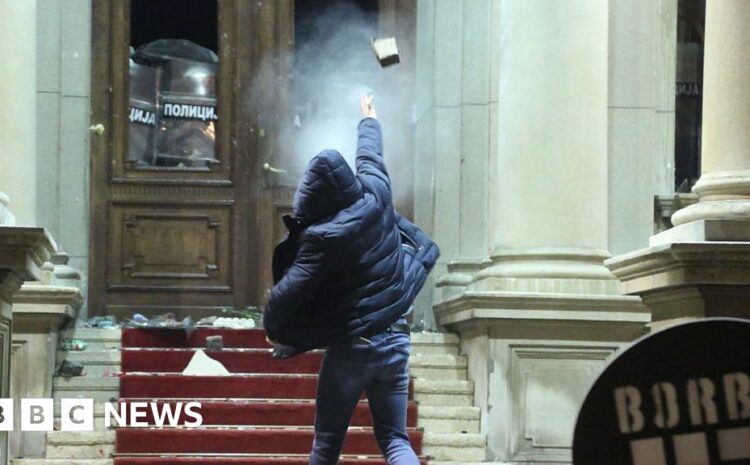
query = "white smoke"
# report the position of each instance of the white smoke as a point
(333, 66)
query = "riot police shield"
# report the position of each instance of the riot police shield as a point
(187, 97)
(142, 114)
(173, 105)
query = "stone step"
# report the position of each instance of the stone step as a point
(438, 366)
(95, 362)
(97, 357)
(80, 444)
(435, 343)
(96, 339)
(455, 447)
(101, 389)
(449, 419)
(430, 392)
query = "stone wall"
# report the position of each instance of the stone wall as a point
(455, 130)
(63, 51)
(641, 116)
(18, 115)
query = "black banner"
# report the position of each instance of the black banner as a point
(678, 397)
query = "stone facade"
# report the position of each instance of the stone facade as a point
(38, 290)
(545, 135)
(63, 69)
(544, 146)
(23, 253)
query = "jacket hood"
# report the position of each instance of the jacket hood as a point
(327, 187)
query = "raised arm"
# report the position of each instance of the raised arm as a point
(370, 163)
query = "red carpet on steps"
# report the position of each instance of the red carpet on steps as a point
(171, 338)
(235, 360)
(252, 386)
(242, 441)
(260, 414)
(241, 461)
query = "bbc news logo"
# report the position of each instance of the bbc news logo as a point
(78, 414)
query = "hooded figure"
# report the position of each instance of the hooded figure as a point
(350, 266)
(348, 273)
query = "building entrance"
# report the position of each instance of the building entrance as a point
(198, 113)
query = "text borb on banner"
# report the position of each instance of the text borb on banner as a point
(677, 397)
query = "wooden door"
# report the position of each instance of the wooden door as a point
(195, 239)
(180, 238)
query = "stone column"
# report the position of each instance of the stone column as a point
(724, 186)
(701, 267)
(6, 216)
(18, 103)
(540, 316)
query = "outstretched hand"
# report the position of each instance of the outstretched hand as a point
(365, 105)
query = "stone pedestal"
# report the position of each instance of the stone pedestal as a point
(533, 357)
(40, 308)
(696, 270)
(23, 252)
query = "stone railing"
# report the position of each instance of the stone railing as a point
(39, 292)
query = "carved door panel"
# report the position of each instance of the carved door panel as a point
(186, 196)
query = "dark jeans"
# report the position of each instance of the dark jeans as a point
(381, 369)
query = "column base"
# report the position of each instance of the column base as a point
(724, 195)
(535, 315)
(695, 270)
(538, 270)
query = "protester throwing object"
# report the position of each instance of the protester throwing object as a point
(346, 277)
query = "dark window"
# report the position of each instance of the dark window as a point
(689, 92)
(173, 74)
(194, 20)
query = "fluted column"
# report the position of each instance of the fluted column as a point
(550, 199)
(724, 186)
(18, 107)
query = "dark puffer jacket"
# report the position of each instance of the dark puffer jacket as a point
(350, 275)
